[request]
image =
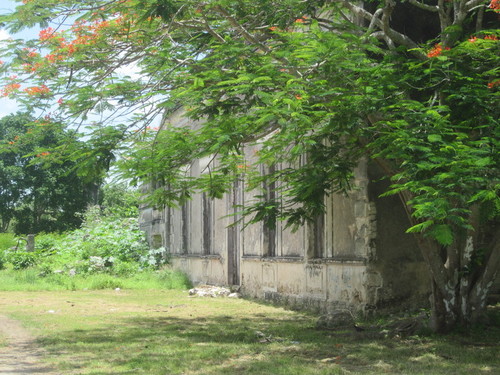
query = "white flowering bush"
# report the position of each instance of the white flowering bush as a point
(104, 244)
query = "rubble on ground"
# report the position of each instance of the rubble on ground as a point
(213, 292)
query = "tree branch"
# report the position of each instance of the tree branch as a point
(444, 20)
(479, 21)
(493, 263)
(383, 24)
(248, 37)
(430, 8)
(473, 3)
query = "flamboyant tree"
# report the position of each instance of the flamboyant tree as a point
(412, 85)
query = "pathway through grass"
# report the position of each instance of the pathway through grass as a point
(19, 353)
(168, 332)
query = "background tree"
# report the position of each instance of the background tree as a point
(11, 172)
(120, 200)
(412, 85)
(37, 191)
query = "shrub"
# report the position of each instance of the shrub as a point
(154, 258)
(105, 248)
(119, 200)
(21, 259)
(104, 244)
(46, 243)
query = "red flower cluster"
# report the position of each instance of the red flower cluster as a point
(495, 5)
(30, 53)
(42, 154)
(10, 89)
(436, 50)
(473, 39)
(494, 84)
(37, 90)
(491, 37)
(46, 34)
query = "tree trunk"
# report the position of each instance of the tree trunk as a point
(443, 317)
(459, 292)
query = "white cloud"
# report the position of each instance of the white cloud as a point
(131, 70)
(4, 35)
(7, 107)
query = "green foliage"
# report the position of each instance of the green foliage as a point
(7, 240)
(120, 200)
(317, 84)
(104, 244)
(33, 279)
(105, 282)
(22, 259)
(107, 252)
(311, 86)
(36, 194)
(446, 153)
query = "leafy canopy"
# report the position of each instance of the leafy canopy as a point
(317, 85)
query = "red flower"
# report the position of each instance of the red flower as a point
(495, 5)
(494, 84)
(436, 50)
(298, 97)
(37, 90)
(299, 20)
(491, 37)
(46, 34)
(10, 89)
(472, 39)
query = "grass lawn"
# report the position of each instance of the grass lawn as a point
(167, 332)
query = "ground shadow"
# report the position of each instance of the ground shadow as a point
(222, 344)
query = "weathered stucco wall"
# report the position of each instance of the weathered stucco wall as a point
(406, 277)
(356, 256)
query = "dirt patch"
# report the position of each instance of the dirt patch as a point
(20, 355)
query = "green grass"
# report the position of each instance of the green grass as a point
(167, 332)
(30, 279)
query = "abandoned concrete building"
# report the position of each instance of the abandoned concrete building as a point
(357, 256)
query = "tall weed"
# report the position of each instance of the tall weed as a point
(31, 280)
